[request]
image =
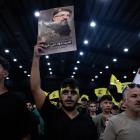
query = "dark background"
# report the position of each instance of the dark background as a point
(118, 26)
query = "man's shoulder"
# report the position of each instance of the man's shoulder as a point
(117, 117)
(48, 108)
(98, 117)
(84, 116)
(19, 97)
(13, 96)
(86, 120)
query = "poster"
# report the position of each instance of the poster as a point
(137, 77)
(56, 29)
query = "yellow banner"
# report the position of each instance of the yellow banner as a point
(100, 91)
(54, 95)
(116, 82)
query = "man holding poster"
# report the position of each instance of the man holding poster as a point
(66, 122)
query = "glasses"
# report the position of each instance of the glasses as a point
(133, 85)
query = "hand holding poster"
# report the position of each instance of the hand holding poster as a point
(56, 29)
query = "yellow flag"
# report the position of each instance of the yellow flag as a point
(46, 93)
(125, 84)
(54, 103)
(108, 93)
(116, 82)
(54, 95)
(100, 91)
(114, 101)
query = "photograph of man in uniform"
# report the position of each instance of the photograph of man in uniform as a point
(58, 26)
(61, 18)
(56, 29)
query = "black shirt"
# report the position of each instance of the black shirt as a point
(59, 126)
(14, 117)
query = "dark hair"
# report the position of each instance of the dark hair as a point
(72, 83)
(105, 97)
(4, 63)
(115, 107)
(61, 9)
(92, 102)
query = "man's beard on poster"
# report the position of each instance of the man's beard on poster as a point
(61, 29)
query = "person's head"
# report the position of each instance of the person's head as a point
(4, 67)
(29, 106)
(106, 103)
(115, 110)
(132, 98)
(62, 15)
(92, 107)
(84, 102)
(69, 94)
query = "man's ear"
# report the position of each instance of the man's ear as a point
(101, 104)
(125, 100)
(6, 73)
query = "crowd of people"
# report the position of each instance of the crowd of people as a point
(71, 120)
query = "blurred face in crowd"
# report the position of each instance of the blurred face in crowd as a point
(115, 110)
(69, 98)
(84, 103)
(132, 99)
(3, 73)
(62, 17)
(106, 106)
(29, 106)
(92, 107)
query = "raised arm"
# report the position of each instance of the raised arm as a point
(35, 81)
